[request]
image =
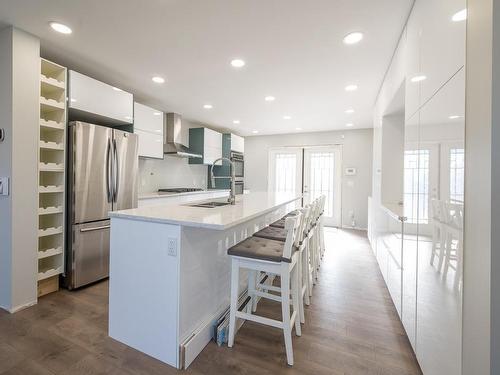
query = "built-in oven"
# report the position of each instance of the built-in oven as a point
(239, 187)
(239, 164)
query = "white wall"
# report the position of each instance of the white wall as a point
(171, 172)
(19, 114)
(357, 152)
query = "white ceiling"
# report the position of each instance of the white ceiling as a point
(293, 50)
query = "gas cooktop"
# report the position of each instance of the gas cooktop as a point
(179, 190)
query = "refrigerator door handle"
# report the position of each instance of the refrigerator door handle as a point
(109, 172)
(83, 230)
(117, 171)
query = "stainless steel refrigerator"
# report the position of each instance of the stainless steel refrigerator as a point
(102, 177)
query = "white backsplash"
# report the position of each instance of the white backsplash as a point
(170, 172)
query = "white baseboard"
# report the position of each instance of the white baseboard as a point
(13, 310)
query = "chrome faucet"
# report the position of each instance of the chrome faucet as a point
(232, 197)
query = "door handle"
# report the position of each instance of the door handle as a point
(95, 228)
(109, 173)
(117, 172)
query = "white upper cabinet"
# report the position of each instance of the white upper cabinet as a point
(442, 43)
(412, 62)
(148, 125)
(97, 99)
(207, 143)
(212, 145)
(436, 48)
(237, 143)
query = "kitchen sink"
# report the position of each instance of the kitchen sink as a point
(208, 204)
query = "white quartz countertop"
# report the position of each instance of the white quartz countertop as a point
(155, 195)
(247, 207)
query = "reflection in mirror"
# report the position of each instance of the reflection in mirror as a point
(439, 219)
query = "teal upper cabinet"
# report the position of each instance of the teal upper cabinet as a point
(206, 142)
(148, 125)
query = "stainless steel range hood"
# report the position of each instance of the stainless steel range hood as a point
(176, 138)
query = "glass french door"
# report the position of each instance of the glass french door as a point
(323, 176)
(285, 170)
(312, 171)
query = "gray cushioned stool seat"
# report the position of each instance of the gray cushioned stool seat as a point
(279, 224)
(293, 213)
(259, 248)
(272, 233)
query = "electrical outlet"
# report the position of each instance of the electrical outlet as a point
(172, 247)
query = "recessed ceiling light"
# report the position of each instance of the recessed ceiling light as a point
(208, 106)
(460, 16)
(157, 113)
(349, 111)
(298, 128)
(454, 117)
(418, 78)
(237, 63)
(158, 79)
(236, 121)
(353, 38)
(255, 131)
(286, 117)
(349, 125)
(117, 89)
(351, 88)
(60, 28)
(269, 98)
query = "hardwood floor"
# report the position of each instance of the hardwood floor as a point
(351, 328)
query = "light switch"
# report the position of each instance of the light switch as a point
(4, 186)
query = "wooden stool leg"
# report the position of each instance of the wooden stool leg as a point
(285, 310)
(235, 278)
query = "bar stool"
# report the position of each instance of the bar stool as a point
(279, 234)
(322, 226)
(314, 241)
(275, 257)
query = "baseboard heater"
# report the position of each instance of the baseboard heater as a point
(215, 328)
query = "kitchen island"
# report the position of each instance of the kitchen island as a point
(170, 272)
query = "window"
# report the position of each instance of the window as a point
(286, 173)
(416, 186)
(322, 178)
(457, 175)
